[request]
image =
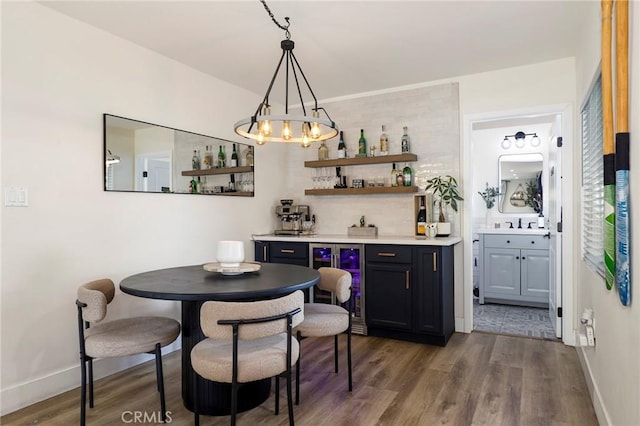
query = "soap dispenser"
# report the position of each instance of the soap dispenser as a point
(540, 220)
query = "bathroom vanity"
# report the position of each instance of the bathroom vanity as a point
(514, 266)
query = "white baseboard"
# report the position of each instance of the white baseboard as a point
(594, 391)
(23, 394)
(459, 325)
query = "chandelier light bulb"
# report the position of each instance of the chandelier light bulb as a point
(265, 125)
(315, 127)
(260, 140)
(286, 130)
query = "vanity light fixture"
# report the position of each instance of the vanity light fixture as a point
(519, 139)
(264, 127)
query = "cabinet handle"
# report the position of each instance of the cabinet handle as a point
(288, 251)
(264, 253)
(387, 254)
(406, 280)
(435, 261)
(523, 258)
(508, 241)
(517, 257)
(533, 242)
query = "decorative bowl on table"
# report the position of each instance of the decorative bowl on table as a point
(243, 267)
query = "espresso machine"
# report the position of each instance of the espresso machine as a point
(292, 218)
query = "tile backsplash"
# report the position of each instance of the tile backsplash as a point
(432, 117)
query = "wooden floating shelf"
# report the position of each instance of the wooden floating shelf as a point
(218, 171)
(356, 161)
(363, 191)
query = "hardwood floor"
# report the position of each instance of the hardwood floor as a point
(478, 378)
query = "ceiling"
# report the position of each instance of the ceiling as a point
(344, 47)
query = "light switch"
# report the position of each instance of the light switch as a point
(16, 196)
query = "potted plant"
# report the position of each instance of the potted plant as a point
(445, 190)
(489, 196)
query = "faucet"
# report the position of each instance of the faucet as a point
(529, 226)
(519, 223)
(510, 224)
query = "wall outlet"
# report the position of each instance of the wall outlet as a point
(16, 196)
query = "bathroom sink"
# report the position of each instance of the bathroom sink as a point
(513, 231)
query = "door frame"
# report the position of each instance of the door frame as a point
(568, 244)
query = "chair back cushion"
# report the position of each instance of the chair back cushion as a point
(96, 295)
(212, 312)
(337, 281)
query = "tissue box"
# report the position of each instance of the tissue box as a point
(367, 231)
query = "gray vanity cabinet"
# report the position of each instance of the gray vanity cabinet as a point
(514, 269)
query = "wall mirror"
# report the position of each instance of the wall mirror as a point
(145, 157)
(520, 183)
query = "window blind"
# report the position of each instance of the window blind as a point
(593, 179)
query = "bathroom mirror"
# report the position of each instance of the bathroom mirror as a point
(520, 183)
(145, 157)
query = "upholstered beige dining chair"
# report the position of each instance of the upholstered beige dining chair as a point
(121, 337)
(323, 319)
(246, 342)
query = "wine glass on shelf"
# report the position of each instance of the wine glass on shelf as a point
(314, 178)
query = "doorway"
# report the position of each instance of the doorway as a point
(483, 138)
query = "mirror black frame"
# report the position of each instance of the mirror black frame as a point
(174, 165)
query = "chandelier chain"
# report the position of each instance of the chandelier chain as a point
(285, 28)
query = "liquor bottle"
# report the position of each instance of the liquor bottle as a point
(208, 157)
(221, 158)
(249, 156)
(421, 219)
(394, 175)
(342, 148)
(384, 142)
(405, 140)
(234, 157)
(362, 144)
(407, 175)
(323, 152)
(195, 160)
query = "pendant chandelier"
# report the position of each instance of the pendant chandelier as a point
(263, 126)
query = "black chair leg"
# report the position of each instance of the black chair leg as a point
(349, 360)
(234, 403)
(277, 408)
(83, 392)
(160, 382)
(196, 407)
(299, 337)
(289, 397)
(335, 352)
(90, 383)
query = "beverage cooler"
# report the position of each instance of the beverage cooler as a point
(349, 257)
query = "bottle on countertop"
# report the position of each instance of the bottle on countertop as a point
(394, 175)
(234, 157)
(362, 144)
(540, 220)
(421, 219)
(405, 141)
(249, 156)
(195, 160)
(342, 148)
(323, 152)
(221, 157)
(384, 142)
(207, 162)
(407, 175)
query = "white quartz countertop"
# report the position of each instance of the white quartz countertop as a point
(341, 238)
(513, 231)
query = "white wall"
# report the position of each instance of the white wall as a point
(58, 77)
(612, 366)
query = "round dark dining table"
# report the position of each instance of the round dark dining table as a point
(192, 286)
